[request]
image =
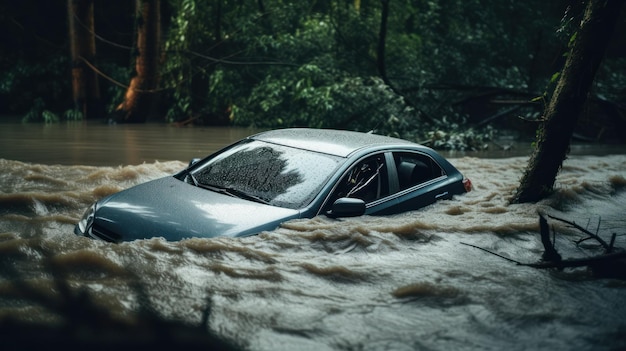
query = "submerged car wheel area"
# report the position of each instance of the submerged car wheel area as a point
(259, 182)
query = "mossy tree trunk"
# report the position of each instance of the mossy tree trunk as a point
(570, 94)
(141, 98)
(85, 88)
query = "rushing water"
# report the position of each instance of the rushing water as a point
(405, 282)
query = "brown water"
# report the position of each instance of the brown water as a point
(100, 144)
(404, 282)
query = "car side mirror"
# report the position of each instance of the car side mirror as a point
(193, 162)
(347, 207)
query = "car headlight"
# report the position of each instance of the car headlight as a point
(87, 220)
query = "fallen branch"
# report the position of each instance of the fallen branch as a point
(580, 262)
(606, 246)
(610, 264)
(562, 264)
(550, 254)
(495, 254)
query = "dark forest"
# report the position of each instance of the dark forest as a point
(451, 73)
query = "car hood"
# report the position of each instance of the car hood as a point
(175, 210)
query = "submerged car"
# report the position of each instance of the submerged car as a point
(261, 181)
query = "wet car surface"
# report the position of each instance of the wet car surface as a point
(258, 183)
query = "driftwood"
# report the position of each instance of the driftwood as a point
(611, 263)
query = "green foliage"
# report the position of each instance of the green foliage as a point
(24, 83)
(278, 63)
(188, 33)
(459, 138)
(38, 113)
(310, 96)
(308, 64)
(175, 69)
(73, 115)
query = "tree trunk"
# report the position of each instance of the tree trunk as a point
(382, 42)
(140, 101)
(568, 99)
(381, 65)
(85, 89)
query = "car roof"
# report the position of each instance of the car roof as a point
(330, 141)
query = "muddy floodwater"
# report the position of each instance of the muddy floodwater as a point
(413, 281)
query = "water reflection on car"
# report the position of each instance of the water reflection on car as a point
(259, 182)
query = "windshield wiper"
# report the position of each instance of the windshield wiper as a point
(232, 192)
(193, 179)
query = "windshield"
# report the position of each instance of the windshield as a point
(274, 174)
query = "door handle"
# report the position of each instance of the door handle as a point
(439, 196)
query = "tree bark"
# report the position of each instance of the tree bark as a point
(562, 113)
(140, 101)
(382, 42)
(85, 88)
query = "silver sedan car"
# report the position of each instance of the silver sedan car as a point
(259, 182)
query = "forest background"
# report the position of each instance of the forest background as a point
(449, 73)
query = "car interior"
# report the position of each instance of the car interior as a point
(368, 180)
(414, 169)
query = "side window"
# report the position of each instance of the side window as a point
(415, 168)
(366, 180)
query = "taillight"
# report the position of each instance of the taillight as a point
(467, 184)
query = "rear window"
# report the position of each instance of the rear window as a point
(415, 168)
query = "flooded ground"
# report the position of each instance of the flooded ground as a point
(404, 282)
